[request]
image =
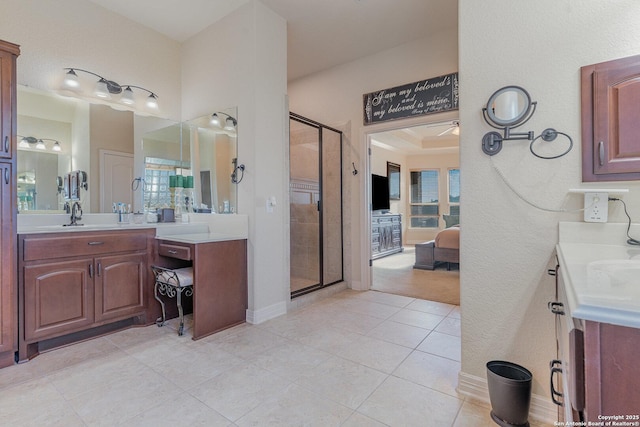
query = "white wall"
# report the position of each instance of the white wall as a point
(241, 61)
(334, 97)
(507, 245)
(77, 33)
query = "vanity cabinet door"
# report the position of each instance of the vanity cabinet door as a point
(58, 298)
(119, 286)
(610, 126)
(8, 54)
(7, 263)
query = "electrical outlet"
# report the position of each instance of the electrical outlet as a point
(596, 207)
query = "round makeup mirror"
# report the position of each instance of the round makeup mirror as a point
(509, 106)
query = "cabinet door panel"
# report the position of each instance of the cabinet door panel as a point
(7, 260)
(610, 90)
(58, 298)
(119, 286)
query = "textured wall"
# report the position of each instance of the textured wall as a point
(78, 33)
(506, 244)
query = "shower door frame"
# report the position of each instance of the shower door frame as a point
(320, 127)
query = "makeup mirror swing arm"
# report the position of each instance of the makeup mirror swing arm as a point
(492, 141)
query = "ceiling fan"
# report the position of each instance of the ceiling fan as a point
(454, 129)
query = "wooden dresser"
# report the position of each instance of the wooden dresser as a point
(386, 234)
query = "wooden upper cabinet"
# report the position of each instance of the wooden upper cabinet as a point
(611, 120)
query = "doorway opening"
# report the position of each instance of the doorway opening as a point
(422, 167)
(315, 192)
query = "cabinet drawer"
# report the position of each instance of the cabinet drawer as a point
(77, 244)
(174, 251)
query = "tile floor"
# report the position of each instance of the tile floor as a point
(354, 359)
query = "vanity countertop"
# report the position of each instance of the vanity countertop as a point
(601, 273)
(204, 228)
(194, 238)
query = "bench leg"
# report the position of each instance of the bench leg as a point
(160, 320)
(179, 303)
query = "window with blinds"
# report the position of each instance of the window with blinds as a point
(454, 191)
(424, 203)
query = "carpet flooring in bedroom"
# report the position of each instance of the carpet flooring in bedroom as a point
(395, 274)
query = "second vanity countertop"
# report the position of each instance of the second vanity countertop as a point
(601, 273)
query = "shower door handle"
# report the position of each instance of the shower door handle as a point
(318, 205)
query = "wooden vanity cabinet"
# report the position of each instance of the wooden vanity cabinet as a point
(71, 282)
(610, 126)
(220, 294)
(8, 310)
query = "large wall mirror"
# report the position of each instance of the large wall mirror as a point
(106, 143)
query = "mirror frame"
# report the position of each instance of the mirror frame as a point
(523, 115)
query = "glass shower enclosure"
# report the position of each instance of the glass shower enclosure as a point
(315, 193)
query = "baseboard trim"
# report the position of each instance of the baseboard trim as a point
(541, 409)
(262, 315)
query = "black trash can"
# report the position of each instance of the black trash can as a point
(509, 392)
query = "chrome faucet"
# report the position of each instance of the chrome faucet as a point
(76, 213)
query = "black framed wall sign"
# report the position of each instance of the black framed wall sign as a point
(393, 173)
(434, 95)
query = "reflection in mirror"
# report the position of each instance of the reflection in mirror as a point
(51, 119)
(165, 155)
(214, 150)
(188, 166)
(509, 106)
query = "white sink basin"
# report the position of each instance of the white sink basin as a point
(617, 279)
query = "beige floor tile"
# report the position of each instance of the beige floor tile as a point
(377, 354)
(417, 318)
(383, 298)
(472, 414)
(354, 322)
(138, 335)
(296, 406)
(313, 366)
(35, 403)
(442, 345)
(455, 312)
(72, 355)
(159, 351)
(249, 342)
(435, 372)
(342, 381)
(449, 326)
(113, 403)
(330, 339)
(399, 402)
(203, 363)
(97, 374)
(294, 326)
(359, 420)
(370, 308)
(290, 360)
(184, 411)
(432, 307)
(239, 390)
(16, 374)
(399, 333)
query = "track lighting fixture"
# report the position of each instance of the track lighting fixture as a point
(105, 88)
(32, 142)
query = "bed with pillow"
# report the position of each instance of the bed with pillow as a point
(445, 248)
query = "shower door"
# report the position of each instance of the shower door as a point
(315, 185)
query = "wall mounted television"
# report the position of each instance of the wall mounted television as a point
(379, 193)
